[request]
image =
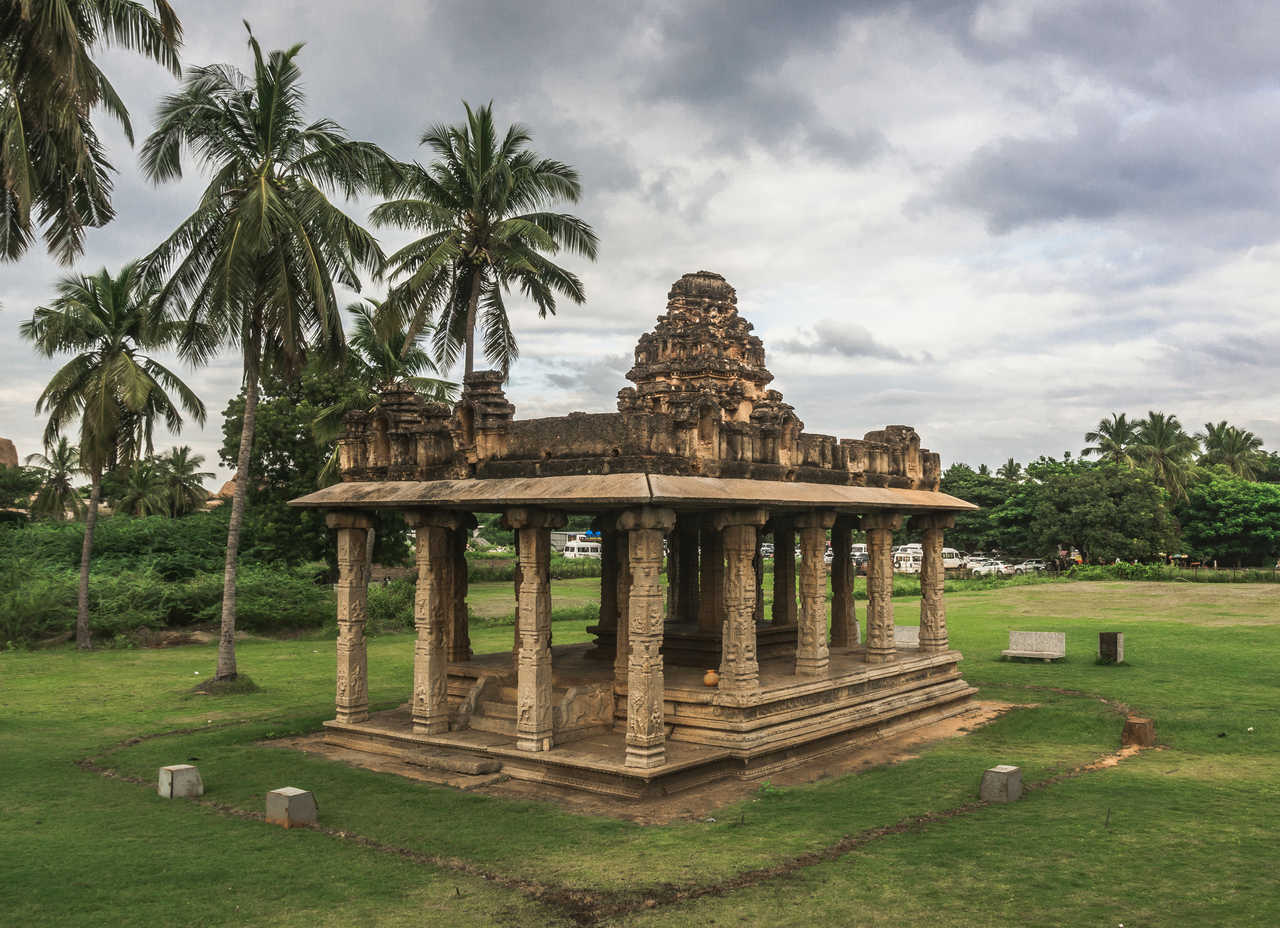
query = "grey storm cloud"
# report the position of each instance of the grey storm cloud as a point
(846, 339)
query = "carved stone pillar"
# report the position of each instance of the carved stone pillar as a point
(623, 652)
(757, 566)
(812, 655)
(844, 617)
(433, 609)
(880, 527)
(608, 577)
(352, 699)
(457, 642)
(646, 737)
(686, 548)
(933, 608)
(739, 666)
(711, 581)
(784, 571)
(534, 726)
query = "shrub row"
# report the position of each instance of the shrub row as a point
(1164, 572)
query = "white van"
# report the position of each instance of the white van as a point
(907, 562)
(952, 559)
(579, 548)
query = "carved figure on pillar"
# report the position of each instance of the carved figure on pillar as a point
(739, 665)
(352, 697)
(646, 737)
(933, 608)
(812, 655)
(433, 608)
(534, 717)
(880, 527)
(844, 617)
(784, 571)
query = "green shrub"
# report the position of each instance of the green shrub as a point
(391, 606)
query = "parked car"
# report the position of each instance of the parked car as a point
(766, 549)
(1032, 566)
(993, 569)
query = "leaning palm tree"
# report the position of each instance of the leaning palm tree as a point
(1236, 449)
(258, 258)
(485, 206)
(1165, 449)
(184, 480)
(52, 162)
(112, 385)
(144, 492)
(1113, 440)
(57, 495)
(1010, 470)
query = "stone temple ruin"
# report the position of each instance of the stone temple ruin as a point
(700, 462)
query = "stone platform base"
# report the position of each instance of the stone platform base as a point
(710, 736)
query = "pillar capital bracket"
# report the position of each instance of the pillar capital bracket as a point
(884, 520)
(528, 517)
(926, 520)
(756, 517)
(647, 517)
(434, 518)
(815, 518)
(345, 518)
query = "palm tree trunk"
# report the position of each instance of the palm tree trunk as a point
(227, 636)
(473, 304)
(83, 642)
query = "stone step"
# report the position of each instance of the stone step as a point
(496, 710)
(496, 726)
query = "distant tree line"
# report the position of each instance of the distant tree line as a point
(1141, 490)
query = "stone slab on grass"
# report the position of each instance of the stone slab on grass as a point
(1002, 783)
(457, 762)
(291, 807)
(180, 781)
(1045, 646)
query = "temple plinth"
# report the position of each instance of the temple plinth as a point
(701, 463)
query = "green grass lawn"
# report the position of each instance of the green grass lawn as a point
(1180, 836)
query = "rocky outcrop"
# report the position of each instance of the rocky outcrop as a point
(8, 453)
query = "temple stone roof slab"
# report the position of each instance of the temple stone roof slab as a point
(604, 491)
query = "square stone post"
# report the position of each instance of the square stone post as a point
(608, 576)
(739, 665)
(711, 581)
(844, 616)
(646, 735)
(352, 699)
(933, 608)
(534, 725)
(812, 655)
(784, 571)
(457, 642)
(686, 549)
(880, 527)
(757, 566)
(433, 607)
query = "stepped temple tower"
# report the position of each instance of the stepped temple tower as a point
(701, 463)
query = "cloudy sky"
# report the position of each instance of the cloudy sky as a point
(997, 221)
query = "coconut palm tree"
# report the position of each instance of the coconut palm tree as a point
(1163, 447)
(184, 480)
(52, 162)
(259, 257)
(1238, 450)
(1010, 470)
(57, 495)
(1113, 440)
(144, 492)
(485, 206)
(112, 385)
(378, 358)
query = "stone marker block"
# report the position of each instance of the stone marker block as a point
(906, 636)
(1111, 647)
(1046, 646)
(291, 807)
(1002, 783)
(180, 781)
(1141, 732)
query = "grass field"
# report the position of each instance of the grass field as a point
(1181, 836)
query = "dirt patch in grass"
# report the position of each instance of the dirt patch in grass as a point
(695, 804)
(1212, 604)
(237, 686)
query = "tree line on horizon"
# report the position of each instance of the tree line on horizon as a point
(256, 267)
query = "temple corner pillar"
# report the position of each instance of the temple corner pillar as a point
(433, 613)
(880, 527)
(933, 610)
(739, 662)
(352, 679)
(813, 657)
